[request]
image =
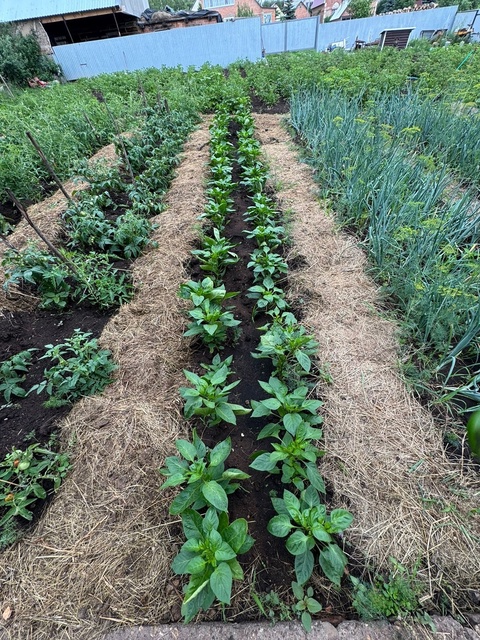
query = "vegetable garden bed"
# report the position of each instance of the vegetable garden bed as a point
(101, 555)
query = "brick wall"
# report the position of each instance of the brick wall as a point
(301, 11)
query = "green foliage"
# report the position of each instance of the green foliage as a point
(289, 346)
(288, 10)
(21, 59)
(198, 292)
(244, 11)
(267, 296)
(39, 268)
(360, 8)
(80, 369)
(11, 377)
(266, 263)
(209, 556)
(305, 605)
(211, 323)
(27, 476)
(311, 525)
(272, 606)
(203, 470)
(216, 254)
(209, 396)
(393, 597)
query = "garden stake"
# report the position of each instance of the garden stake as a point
(10, 246)
(40, 235)
(48, 165)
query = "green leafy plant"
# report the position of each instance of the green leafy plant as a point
(216, 255)
(80, 369)
(203, 470)
(267, 296)
(27, 476)
(208, 398)
(211, 324)
(291, 409)
(262, 212)
(34, 266)
(306, 605)
(295, 456)
(311, 525)
(269, 234)
(11, 377)
(395, 596)
(288, 345)
(267, 263)
(198, 292)
(217, 211)
(209, 557)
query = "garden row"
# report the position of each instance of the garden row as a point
(209, 555)
(420, 234)
(104, 228)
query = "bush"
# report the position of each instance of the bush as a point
(21, 58)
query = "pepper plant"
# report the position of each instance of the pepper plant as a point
(203, 471)
(211, 323)
(11, 375)
(198, 292)
(209, 557)
(25, 476)
(216, 254)
(208, 398)
(308, 526)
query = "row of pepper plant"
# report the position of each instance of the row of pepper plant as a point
(302, 516)
(106, 223)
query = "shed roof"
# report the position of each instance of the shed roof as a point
(16, 10)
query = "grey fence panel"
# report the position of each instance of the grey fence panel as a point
(273, 37)
(467, 19)
(221, 44)
(369, 29)
(301, 33)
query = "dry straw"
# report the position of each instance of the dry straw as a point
(101, 554)
(385, 459)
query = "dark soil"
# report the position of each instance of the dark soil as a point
(27, 418)
(258, 106)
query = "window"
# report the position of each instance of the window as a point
(213, 4)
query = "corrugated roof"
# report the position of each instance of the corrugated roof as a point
(16, 10)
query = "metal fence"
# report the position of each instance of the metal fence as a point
(245, 39)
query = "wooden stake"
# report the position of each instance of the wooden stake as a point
(6, 86)
(5, 241)
(48, 165)
(55, 251)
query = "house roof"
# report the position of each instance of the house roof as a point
(16, 10)
(317, 3)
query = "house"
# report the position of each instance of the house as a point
(231, 9)
(57, 22)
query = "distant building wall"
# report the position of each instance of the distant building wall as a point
(231, 10)
(301, 11)
(36, 27)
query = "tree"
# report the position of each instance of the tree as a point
(21, 58)
(244, 11)
(360, 8)
(176, 5)
(288, 10)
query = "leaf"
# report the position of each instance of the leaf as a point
(315, 478)
(280, 526)
(192, 524)
(304, 566)
(291, 422)
(292, 503)
(340, 519)
(298, 543)
(184, 499)
(221, 582)
(225, 413)
(225, 553)
(263, 463)
(313, 606)
(196, 565)
(307, 621)
(333, 562)
(186, 449)
(220, 452)
(297, 591)
(303, 360)
(181, 561)
(215, 495)
(236, 533)
(311, 497)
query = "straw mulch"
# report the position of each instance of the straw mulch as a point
(101, 554)
(385, 459)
